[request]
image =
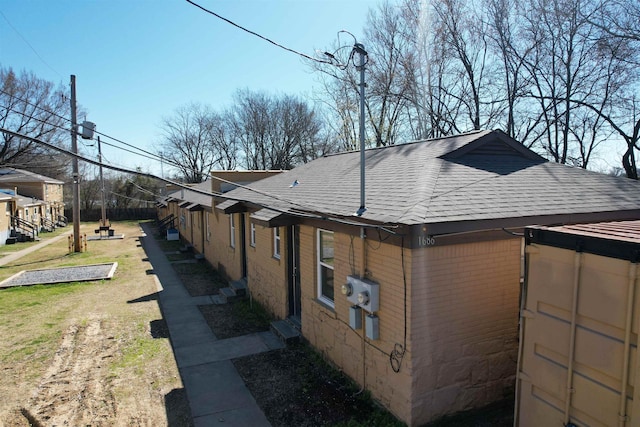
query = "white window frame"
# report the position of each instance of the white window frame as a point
(252, 234)
(326, 300)
(206, 226)
(276, 242)
(232, 231)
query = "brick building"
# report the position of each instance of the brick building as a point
(417, 298)
(48, 191)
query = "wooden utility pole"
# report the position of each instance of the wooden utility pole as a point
(77, 247)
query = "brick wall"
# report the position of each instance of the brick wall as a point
(464, 326)
(237, 176)
(222, 256)
(461, 310)
(197, 231)
(328, 329)
(267, 276)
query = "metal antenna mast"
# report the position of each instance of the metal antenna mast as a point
(359, 48)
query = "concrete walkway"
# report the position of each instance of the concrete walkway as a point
(19, 254)
(216, 393)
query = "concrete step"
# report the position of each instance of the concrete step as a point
(219, 299)
(239, 286)
(230, 294)
(285, 330)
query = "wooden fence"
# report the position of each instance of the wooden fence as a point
(114, 214)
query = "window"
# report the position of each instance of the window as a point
(252, 235)
(207, 227)
(276, 242)
(325, 267)
(232, 230)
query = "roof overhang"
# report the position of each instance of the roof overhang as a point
(619, 240)
(449, 232)
(270, 218)
(231, 206)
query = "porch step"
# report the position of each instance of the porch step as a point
(230, 294)
(239, 286)
(11, 240)
(218, 299)
(285, 331)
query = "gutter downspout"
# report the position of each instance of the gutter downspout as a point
(577, 264)
(633, 274)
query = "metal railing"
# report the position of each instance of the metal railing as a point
(25, 227)
(166, 222)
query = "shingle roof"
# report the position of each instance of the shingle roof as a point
(482, 175)
(9, 175)
(193, 199)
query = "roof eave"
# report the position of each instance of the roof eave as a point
(441, 228)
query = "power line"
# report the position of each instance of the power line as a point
(303, 207)
(130, 198)
(34, 105)
(258, 35)
(263, 193)
(312, 215)
(153, 156)
(29, 44)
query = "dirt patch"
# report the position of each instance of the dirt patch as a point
(199, 278)
(295, 387)
(235, 319)
(81, 366)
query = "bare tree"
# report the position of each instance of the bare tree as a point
(274, 132)
(34, 107)
(188, 141)
(462, 31)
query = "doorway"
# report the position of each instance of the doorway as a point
(293, 255)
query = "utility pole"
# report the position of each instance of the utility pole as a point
(359, 48)
(76, 175)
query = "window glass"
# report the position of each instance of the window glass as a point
(232, 231)
(325, 267)
(253, 234)
(276, 242)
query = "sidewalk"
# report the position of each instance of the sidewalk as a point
(19, 254)
(216, 393)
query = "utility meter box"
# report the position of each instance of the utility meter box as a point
(363, 293)
(372, 327)
(355, 317)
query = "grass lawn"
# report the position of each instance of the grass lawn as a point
(84, 353)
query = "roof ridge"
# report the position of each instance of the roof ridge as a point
(416, 141)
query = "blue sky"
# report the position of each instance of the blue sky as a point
(136, 61)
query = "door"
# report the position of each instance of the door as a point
(293, 254)
(243, 244)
